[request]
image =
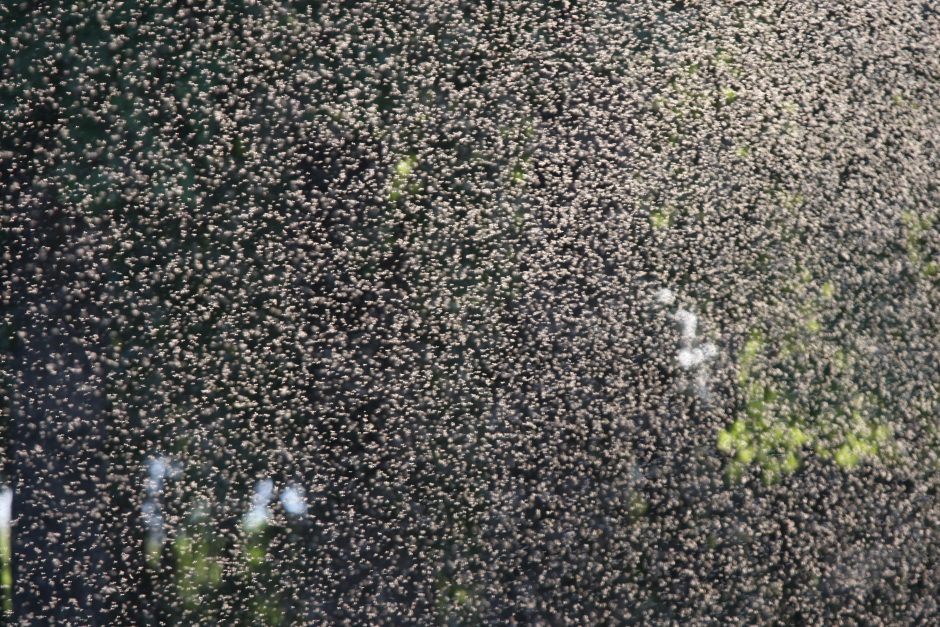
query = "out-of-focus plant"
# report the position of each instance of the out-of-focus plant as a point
(800, 395)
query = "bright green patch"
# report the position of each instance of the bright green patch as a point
(402, 173)
(638, 505)
(268, 612)
(813, 325)
(6, 570)
(519, 175)
(254, 555)
(455, 602)
(752, 348)
(790, 200)
(661, 218)
(776, 427)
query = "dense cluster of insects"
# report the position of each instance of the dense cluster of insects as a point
(439, 312)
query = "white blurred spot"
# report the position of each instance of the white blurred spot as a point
(688, 323)
(260, 513)
(293, 500)
(665, 296)
(6, 506)
(690, 358)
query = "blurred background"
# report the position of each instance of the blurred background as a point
(459, 313)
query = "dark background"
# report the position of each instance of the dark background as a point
(407, 256)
